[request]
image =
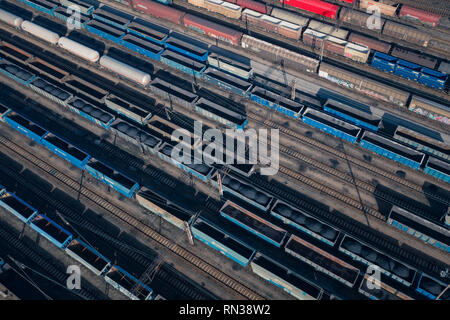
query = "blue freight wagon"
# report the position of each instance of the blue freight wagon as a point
(222, 242)
(128, 284)
(105, 31)
(51, 230)
(276, 102)
(88, 256)
(65, 15)
(173, 93)
(201, 171)
(227, 82)
(46, 6)
(221, 114)
(230, 65)
(408, 70)
(392, 150)
(438, 168)
(253, 223)
(427, 231)
(331, 125)
(185, 64)
(280, 276)
(432, 288)
(16, 73)
(113, 17)
(147, 30)
(3, 111)
(84, 6)
(91, 112)
(186, 48)
(142, 46)
(17, 206)
(368, 256)
(305, 223)
(384, 62)
(433, 79)
(65, 150)
(351, 114)
(25, 126)
(111, 177)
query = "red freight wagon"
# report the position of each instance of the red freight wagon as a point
(158, 10)
(371, 43)
(425, 17)
(212, 29)
(348, 1)
(315, 6)
(253, 5)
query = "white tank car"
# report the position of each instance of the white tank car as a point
(78, 49)
(10, 18)
(40, 32)
(125, 70)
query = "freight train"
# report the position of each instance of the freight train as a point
(300, 62)
(338, 128)
(116, 276)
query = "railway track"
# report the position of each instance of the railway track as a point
(14, 243)
(133, 222)
(373, 169)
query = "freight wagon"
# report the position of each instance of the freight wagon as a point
(148, 30)
(359, 19)
(3, 111)
(127, 109)
(51, 230)
(142, 46)
(222, 242)
(16, 72)
(185, 48)
(430, 109)
(406, 33)
(65, 15)
(17, 206)
(277, 54)
(136, 136)
(46, 6)
(328, 29)
(166, 129)
(111, 177)
(284, 278)
(24, 126)
(392, 150)
(220, 114)
(363, 84)
(376, 289)
(158, 10)
(417, 15)
(128, 284)
(305, 223)
(414, 57)
(352, 114)
(91, 112)
(230, 65)
(88, 256)
(322, 261)
(173, 93)
(331, 125)
(321, 8)
(253, 5)
(371, 43)
(432, 288)
(290, 17)
(212, 29)
(438, 168)
(421, 228)
(182, 63)
(105, 31)
(51, 91)
(85, 88)
(253, 223)
(423, 143)
(384, 8)
(246, 192)
(368, 256)
(113, 17)
(84, 6)
(177, 211)
(11, 19)
(276, 102)
(200, 170)
(65, 150)
(227, 82)
(124, 70)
